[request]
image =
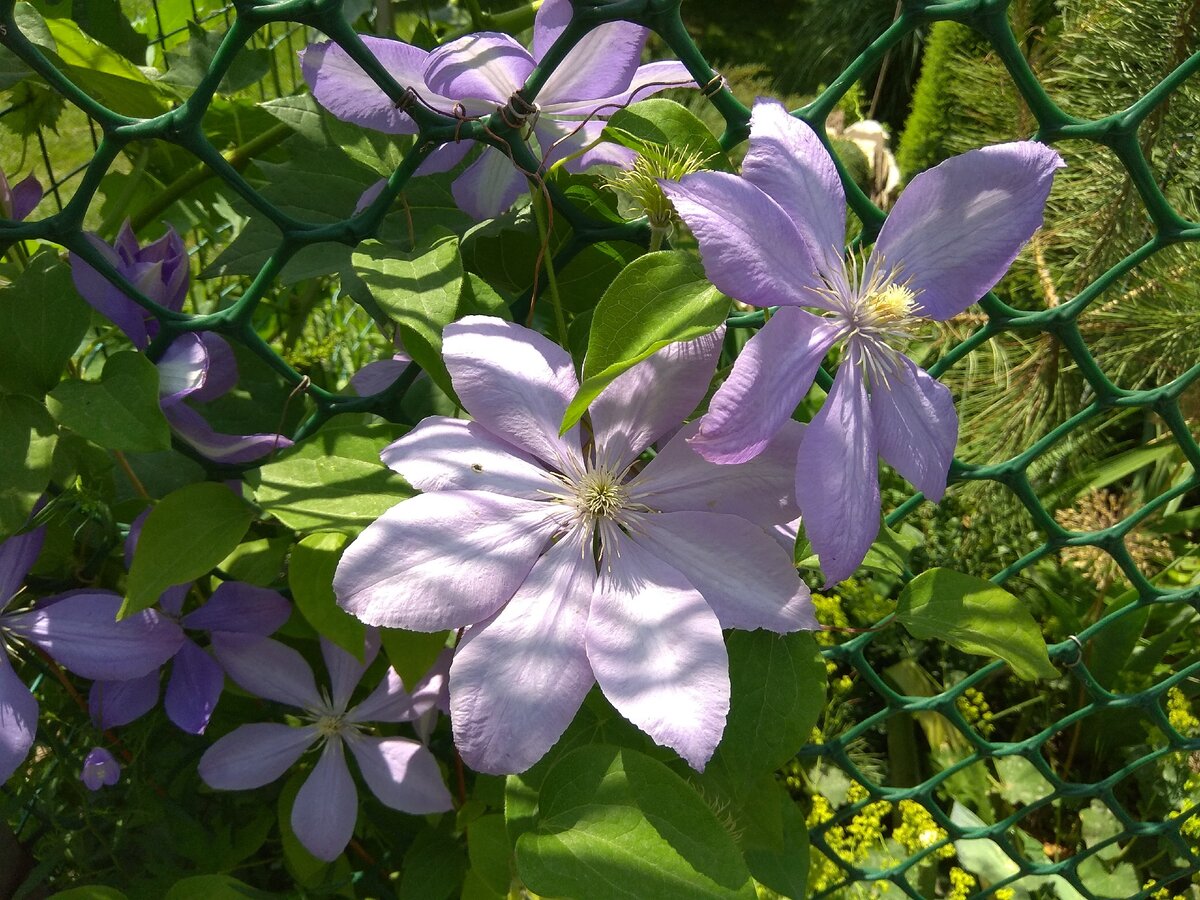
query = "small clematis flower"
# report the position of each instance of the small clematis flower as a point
(503, 541)
(481, 72)
(100, 769)
(19, 200)
(79, 630)
(402, 773)
(774, 237)
(200, 367)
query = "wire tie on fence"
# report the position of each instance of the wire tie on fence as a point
(714, 86)
(1079, 656)
(517, 111)
(460, 118)
(406, 99)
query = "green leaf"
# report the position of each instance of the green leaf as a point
(118, 412)
(412, 653)
(433, 867)
(310, 576)
(490, 853)
(186, 70)
(614, 823)
(105, 75)
(28, 436)
(777, 685)
(380, 152)
(333, 481)
(186, 534)
(214, 887)
(974, 616)
(783, 867)
(650, 124)
(658, 299)
(90, 892)
(45, 320)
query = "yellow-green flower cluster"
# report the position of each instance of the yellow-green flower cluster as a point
(975, 709)
(1180, 715)
(851, 842)
(962, 883)
(918, 831)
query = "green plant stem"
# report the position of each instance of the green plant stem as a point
(539, 215)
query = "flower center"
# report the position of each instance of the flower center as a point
(330, 726)
(600, 495)
(888, 309)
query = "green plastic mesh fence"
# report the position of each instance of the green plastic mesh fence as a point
(267, 23)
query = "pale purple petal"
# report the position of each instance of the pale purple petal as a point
(518, 679)
(81, 632)
(109, 300)
(171, 600)
(112, 704)
(18, 719)
(445, 157)
(601, 64)
(837, 477)
(194, 430)
(222, 373)
(559, 138)
(100, 769)
(183, 369)
(643, 403)
(443, 454)
(169, 255)
(379, 375)
(657, 652)
(647, 81)
(551, 20)
(443, 560)
(348, 92)
(25, 197)
(17, 556)
(760, 490)
(750, 247)
(489, 186)
(345, 672)
(480, 70)
(515, 383)
(916, 426)
(389, 702)
(193, 689)
(432, 692)
(403, 774)
(747, 578)
(268, 669)
(770, 377)
(958, 227)
(326, 806)
(236, 606)
(254, 755)
(788, 162)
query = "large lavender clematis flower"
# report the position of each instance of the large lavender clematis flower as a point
(201, 367)
(775, 237)
(481, 72)
(402, 773)
(78, 630)
(503, 539)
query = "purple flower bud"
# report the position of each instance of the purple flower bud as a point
(100, 769)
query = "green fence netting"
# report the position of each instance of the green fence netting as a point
(266, 23)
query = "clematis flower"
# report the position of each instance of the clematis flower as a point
(774, 237)
(200, 366)
(481, 72)
(100, 769)
(196, 680)
(402, 773)
(19, 200)
(502, 540)
(78, 630)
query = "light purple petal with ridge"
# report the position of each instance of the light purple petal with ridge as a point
(389, 702)
(837, 477)
(253, 755)
(183, 369)
(268, 669)
(770, 377)
(958, 227)
(237, 606)
(344, 89)
(81, 633)
(747, 578)
(444, 454)
(489, 186)
(788, 162)
(17, 556)
(112, 704)
(25, 197)
(106, 298)
(657, 652)
(193, 689)
(18, 719)
(222, 369)
(401, 773)
(327, 806)
(916, 426)
(750, 247)
(100, 769)
(479, 70)
(443, 560)
(601, 64)
(345, 672)
(445, 157)
(647, 81)
(645, 402)
(515, 383)
(760, 490)
(379, 375)
(195, 431)
(518, 679)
